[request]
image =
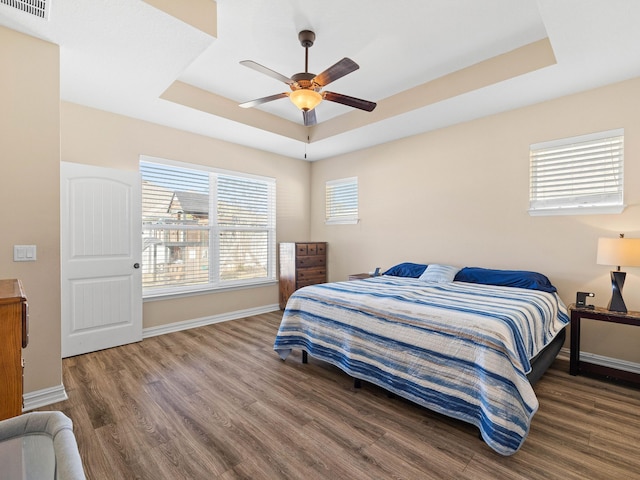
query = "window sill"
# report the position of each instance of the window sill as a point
(349, 221)
(609, 209)
(166, 294)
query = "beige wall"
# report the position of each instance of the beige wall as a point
(460, 196)
(29, 192)
(104, 139)
(37, 131)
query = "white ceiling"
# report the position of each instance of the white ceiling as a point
(121, 55)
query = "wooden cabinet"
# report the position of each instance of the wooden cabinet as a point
(13, 338)
(301, 264)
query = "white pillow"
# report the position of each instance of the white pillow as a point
(439, 273)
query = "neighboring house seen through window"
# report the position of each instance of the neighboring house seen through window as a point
(578, 175)
(204, 229)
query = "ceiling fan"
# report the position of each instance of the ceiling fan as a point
(306, 87)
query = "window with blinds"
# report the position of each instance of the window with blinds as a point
(578, 175)
(341, 197)
(185, 248)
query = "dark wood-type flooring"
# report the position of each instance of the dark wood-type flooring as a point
(216, 402)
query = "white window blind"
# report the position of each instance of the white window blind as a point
(578, 175)
(187, 249)
(245, 219)
(341, 197)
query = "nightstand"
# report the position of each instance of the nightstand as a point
(359, 276)
(604, 315)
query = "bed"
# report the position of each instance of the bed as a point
(467, 343)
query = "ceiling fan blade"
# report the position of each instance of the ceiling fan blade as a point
(349, 101)
(260, 101)
(339, 70)
(267, 71)
(309, 117)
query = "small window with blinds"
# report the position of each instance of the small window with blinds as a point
(578, 175)
(341, 197)
(185, 248)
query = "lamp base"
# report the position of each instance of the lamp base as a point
(616, 304)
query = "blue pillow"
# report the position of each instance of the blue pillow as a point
(413, 270)
(505, 278)
(439, 273)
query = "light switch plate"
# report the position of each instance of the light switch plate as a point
(24, 253)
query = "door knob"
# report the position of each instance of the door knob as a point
(136, 265)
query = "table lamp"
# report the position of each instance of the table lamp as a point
(618, 251)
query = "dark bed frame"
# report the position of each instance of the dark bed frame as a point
(541, 362)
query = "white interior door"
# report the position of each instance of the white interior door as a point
(100, 225)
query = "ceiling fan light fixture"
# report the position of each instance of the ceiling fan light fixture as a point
(306, 88)
(305, 99)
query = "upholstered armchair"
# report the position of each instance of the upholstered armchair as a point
(39, 445)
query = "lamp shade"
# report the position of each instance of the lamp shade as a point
(619, 252)
(305, 99)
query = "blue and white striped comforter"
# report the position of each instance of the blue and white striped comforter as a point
(460, 349)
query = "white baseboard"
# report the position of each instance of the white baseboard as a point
(201, 322)
(44, 397)
(604, 361)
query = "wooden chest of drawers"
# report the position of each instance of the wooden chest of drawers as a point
(13, 338)
(301, 264)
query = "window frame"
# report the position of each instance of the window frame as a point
(347, 219)
(214, 229)
(610, 198)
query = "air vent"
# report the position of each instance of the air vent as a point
(39, 8)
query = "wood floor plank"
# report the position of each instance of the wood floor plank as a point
(217, 403)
